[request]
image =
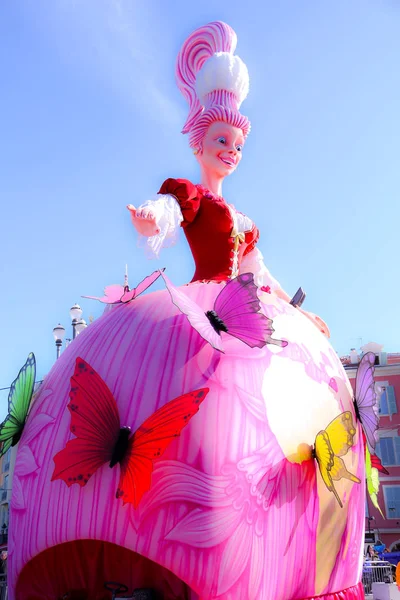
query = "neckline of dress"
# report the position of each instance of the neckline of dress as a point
(209, 194)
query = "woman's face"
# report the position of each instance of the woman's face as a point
(222, 149)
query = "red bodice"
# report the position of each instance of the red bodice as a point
(209, 229)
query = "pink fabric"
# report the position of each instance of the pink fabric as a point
(204, 517)
(354, 593)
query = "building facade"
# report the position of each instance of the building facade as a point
(387, 381)
(6, 470)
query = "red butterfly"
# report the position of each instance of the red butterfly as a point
(101, 439)
(376, 462)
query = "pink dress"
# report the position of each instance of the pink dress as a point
(232, 513)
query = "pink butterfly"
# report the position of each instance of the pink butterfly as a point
(115, 294)
(235, 311)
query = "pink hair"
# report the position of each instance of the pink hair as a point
(219, 105)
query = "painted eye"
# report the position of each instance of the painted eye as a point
(239, 148)
(221, 140)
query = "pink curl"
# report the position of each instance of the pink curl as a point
(220, 104)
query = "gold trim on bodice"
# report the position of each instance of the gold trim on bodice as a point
(239, 238)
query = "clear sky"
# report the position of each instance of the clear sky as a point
(90, 121)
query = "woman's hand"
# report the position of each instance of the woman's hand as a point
(144, 221)
(317, 321)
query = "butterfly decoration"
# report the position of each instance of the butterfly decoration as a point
(117, 294)
(373, 484)
(235, 311)
(100, 439)
(376, 463)
(19, 400)
(365, 399)
(330, 445)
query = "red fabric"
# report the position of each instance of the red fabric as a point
(208, 225)
(251, 240)
(355, 592)
(81, 568)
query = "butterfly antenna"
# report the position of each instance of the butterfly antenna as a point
(337, 496)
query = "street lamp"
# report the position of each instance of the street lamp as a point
(78, 325)
(58, 333)
(75, 313)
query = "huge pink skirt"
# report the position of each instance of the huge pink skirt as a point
(232, 512)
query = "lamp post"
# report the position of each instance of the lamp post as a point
(78, 325)
(59, 333)
(75, 313)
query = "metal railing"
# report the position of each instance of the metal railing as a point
(3, 588)
(376, 571)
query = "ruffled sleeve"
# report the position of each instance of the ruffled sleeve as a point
(176, 204)
(187, 196)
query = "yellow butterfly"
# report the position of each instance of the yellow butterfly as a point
(332, 443)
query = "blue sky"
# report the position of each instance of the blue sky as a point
(91, 121)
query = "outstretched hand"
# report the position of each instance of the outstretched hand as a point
(144, 221)
(318, 322)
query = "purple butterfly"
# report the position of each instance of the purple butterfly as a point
(235, 311)
(365, 400)
(115, 294)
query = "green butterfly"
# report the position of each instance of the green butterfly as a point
(19, 400)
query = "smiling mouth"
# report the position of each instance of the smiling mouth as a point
(228, 161)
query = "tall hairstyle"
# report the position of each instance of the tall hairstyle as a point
(213, 80)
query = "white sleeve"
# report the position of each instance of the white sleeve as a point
(253, 262)
(168, 217)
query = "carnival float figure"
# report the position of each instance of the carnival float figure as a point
(224, 412)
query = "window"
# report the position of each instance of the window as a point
(387, 402)
(6, 461)
(392, 501)
(388, 450)
(5, 488)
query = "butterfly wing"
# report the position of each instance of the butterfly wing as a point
(238, 306)
(376, 463)
(330, 445)
(366, 399)
(95, 423)
(373, 483)
(112, 294)
(339, 471)
(142, 286)
(341, 432)
(19, 400)
(149, 442)
(325, 459)
(5, 446)
(195, 315)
